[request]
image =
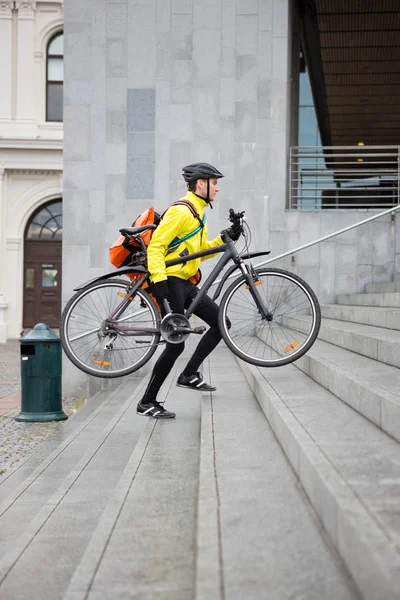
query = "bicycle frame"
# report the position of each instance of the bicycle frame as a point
(228, 251)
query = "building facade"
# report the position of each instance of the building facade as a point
(152, 85)
(31, 141)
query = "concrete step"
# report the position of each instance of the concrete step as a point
(368, 386)
(54, 444)
(373, 342)
(369, 315)
(72, 513)
(391, 286)
(384, 299)
(257, 534)
(143, 545)
(131, 520)
(349, 469)
(54, 509)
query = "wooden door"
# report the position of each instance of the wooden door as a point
(42, 283)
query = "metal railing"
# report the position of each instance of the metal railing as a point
(318, 241)
(332, 177)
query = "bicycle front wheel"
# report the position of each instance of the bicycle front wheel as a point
(285, 334)
(102, 350)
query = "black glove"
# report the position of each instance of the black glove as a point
(160, 290)
(234, 231)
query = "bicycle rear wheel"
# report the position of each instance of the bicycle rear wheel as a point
(288, 332)
(98, 349)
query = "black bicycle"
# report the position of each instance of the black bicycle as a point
(111, 327)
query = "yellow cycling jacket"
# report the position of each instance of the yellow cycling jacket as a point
(177, 222)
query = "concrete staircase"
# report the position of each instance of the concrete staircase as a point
(281, 485)
(336, 413)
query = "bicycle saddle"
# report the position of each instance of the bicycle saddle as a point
(134, 230)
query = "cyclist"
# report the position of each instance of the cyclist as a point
(174, 282)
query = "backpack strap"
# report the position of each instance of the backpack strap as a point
(191, 208)
(177, 241)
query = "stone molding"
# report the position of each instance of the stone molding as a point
(26, 8)
(38, 171)
(13, 243)
(6, 9)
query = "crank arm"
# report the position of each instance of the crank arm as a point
(198, 330)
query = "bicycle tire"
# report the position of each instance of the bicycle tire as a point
(276, 342)
(83, 337)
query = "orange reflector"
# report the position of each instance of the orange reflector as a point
(292, 346)
(102, 363)
(255, 283)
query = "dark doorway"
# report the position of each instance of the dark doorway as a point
(42, 266)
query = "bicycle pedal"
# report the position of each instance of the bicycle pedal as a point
(200, 329)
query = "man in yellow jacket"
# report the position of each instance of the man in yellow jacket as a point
(179, 223)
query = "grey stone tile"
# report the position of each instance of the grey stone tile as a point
(116, 21)
(115, 162)
(140, 177)
(265, 15)
(163, 15)
(77, 92)
(141, 110)
(141, 143)
(181, 85)
(182, 45)
(116, 58)
(74, 13)
(116, 127)
(181, 7)
(164, 57)
(245, 121)
(77, 62)
(206, 45)
(246, 34)
(247, 7)
(76, 175)
(206, 14)
(246, 79)
(78, 146)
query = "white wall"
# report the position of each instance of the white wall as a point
(30, 149)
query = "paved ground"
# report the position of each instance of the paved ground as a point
(10, 376)
(17, 440)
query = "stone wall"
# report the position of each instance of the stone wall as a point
(151, 85)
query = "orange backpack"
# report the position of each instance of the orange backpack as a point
(123, 250)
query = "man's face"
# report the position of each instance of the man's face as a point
(201, 188)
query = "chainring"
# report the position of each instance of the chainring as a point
(167, 328)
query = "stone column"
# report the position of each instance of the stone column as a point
(25, 63)
(14, 277)
(6, 60)
(3, 305)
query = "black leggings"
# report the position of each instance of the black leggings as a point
(181, 294)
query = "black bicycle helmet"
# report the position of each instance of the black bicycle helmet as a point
(200, 170)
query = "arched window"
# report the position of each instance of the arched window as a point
(46, 224)
(55, 78)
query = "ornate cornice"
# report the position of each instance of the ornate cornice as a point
(37, 171)
(6, 9)
(30, 144)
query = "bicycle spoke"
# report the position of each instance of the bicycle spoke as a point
(268, 341)
(90, 338)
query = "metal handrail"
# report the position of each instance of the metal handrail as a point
(319, 240)
(348, 177)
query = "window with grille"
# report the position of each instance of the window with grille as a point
(46, 223)
(55, 78)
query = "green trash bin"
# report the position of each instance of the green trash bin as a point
(41, 376)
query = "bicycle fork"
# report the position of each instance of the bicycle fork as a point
(252, 279)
